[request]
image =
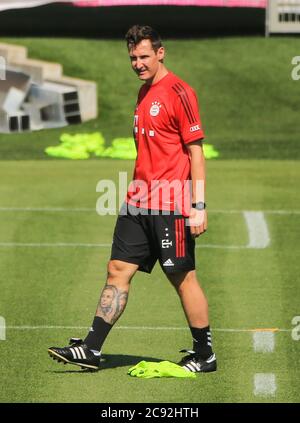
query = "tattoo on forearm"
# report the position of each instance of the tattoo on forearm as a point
(111, 304)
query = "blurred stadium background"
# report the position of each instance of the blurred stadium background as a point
(241, 56)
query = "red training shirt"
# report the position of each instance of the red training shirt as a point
(166, 119)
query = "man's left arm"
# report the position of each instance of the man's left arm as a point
(198, 218)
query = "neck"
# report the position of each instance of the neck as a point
(161, 73)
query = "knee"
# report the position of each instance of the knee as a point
(181, 287)
(118, 272)
(183, 282)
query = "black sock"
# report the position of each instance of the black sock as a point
(202, 342)
(97, 334)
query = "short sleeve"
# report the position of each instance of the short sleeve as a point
(187, 114)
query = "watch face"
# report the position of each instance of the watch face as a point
(200, 206)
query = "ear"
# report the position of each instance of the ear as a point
(160, 53)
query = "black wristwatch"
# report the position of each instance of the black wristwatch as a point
(199, 206)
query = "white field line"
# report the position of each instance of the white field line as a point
(264, 384)
(93, 210)
(141, 328)
(257, 229)
(55, 245)
(283, 212)
(84, 245)
(263, 342)
(2, 329)
(47, 209)
(255, 222)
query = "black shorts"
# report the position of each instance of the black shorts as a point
(143, 238)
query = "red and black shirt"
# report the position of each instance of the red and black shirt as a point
(166, 119)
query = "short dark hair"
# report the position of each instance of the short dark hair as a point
(137, 33)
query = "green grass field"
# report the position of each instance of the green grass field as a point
(49, 292)
(249, 102)
(54, 247)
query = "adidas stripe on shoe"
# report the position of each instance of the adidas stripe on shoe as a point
(193, 363)
(77, 353)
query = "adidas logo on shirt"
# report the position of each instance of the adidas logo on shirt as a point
(168, 263)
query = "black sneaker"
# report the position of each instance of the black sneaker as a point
(78, 353)
(193, 363)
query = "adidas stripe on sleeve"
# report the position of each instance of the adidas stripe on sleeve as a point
(187, 110)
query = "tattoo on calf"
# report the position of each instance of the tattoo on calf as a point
(111, 304)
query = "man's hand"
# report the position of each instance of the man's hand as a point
(197, 222)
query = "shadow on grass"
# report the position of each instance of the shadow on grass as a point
(112, 361)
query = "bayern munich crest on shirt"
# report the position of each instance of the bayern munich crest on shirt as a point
(155, 108)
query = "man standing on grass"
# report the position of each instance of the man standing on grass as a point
(163, 214)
